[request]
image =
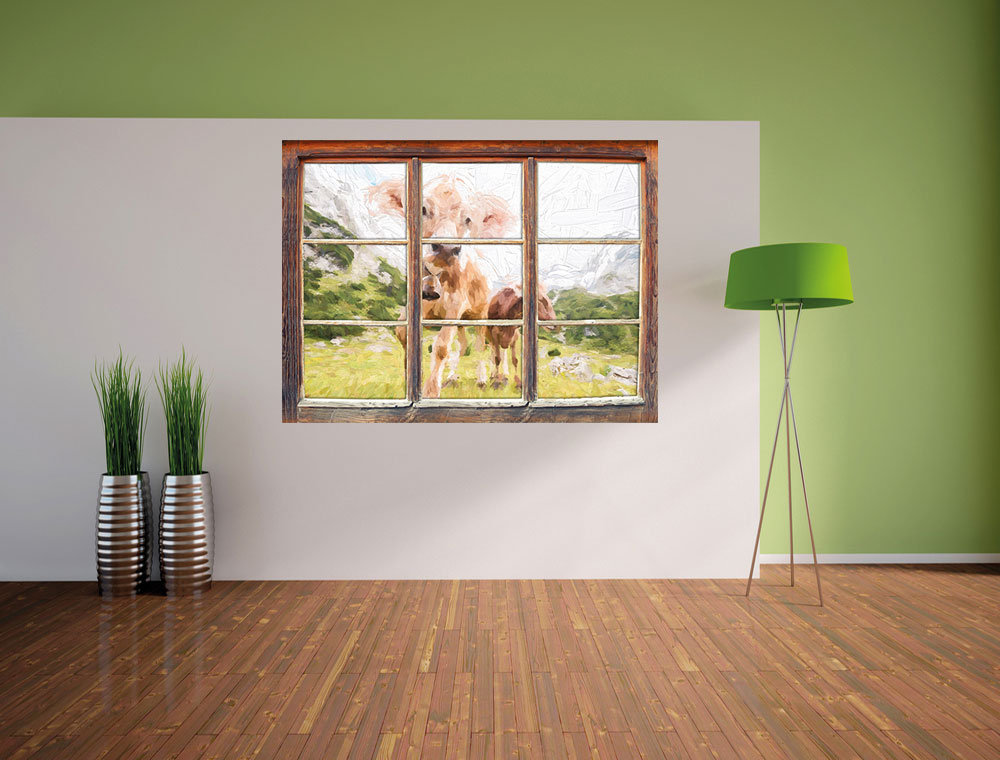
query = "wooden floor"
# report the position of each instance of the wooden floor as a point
(902, 662)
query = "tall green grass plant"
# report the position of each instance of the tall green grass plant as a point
(185, 406)
(122, 400)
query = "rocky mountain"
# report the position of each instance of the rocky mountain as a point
(609, 271)
(335, 198)
(333, 209)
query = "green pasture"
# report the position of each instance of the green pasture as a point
(371, 365)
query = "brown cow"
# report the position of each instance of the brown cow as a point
(450, 210)
(508, 303)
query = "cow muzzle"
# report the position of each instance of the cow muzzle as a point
(428, 289)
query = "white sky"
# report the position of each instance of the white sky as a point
(597, 200)
(588, 200)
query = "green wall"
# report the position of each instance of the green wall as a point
(878, 130)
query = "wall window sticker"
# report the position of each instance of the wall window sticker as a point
(469, 281)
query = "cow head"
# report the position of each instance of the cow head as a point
(450, 208)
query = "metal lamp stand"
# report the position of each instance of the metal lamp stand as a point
(787, 408)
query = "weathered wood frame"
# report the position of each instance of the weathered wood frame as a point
(642, 408)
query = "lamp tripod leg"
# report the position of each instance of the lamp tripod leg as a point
(788, 457)
(786, 361)
(767, 486)
(805, 498)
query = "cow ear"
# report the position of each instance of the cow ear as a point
(497, 216)
(386, 197)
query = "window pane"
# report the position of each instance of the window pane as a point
(583, 361)
(342, 281)
(471, 200)
(472, 362)
(354, 201)
(589, 281)
(352, 362)
(468, 282)
(588, 200)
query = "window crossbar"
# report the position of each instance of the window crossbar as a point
(590, 401)
(589, 241)
(577, 322)
(471, 322)
(355, 322)
(471, 241)
(353, 241)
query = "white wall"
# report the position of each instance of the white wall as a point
(156, 233)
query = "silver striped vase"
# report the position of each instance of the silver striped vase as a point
(124, 535)
(187, 534)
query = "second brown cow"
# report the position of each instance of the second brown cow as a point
(508, 303)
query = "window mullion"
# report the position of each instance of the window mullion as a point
(529, 216)
(413, 278)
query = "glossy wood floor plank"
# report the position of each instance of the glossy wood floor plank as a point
(902, 662)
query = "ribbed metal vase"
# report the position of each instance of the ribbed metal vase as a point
(124, 535)
(187, 534)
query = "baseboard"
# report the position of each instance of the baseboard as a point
(883, 559)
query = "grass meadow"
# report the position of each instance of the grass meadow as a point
(371, 365)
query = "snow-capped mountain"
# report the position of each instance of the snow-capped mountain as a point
(343, 201)
(608, 271)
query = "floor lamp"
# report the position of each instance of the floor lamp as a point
(788, 277)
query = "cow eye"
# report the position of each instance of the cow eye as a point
(468, 220)
(424, 211)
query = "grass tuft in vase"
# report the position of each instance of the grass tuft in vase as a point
(187, 533)
(124, 509)
(122, 399)
(184, 395)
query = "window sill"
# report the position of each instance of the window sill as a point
(624, 409)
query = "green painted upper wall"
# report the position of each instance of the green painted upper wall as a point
(878, 130)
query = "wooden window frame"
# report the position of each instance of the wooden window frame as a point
(414, 152)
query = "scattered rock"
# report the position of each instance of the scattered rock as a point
(589, 332)
(337, 342)
(623, 375)
(599, 378)
(576, 366)
(379, 348)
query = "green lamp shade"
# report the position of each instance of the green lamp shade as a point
(814, 273)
